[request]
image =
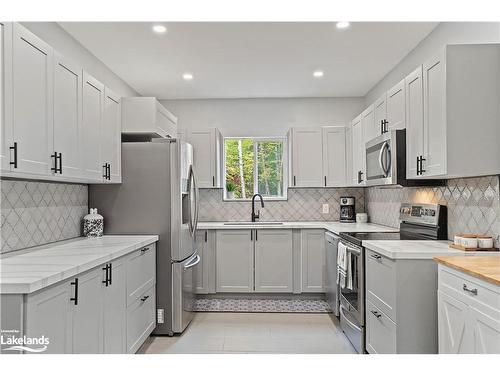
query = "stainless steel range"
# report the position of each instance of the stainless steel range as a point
(417, 222)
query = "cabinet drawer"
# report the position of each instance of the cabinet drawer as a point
(140, 319)
(381, 283)
(141, 272)
(380, 331)
(455, 284)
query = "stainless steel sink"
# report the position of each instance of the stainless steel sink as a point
(254, 223)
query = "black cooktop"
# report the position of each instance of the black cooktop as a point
(357, 238)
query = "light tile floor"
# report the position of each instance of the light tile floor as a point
(255, 333)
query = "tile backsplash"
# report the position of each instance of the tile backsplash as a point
(35, 213)
(473, 204)
(303, 204)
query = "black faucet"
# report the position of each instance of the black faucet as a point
(256, 215)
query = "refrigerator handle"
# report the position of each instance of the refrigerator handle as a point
(196, 201)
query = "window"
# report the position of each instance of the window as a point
(254, 165)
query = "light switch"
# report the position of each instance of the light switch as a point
(326, 208)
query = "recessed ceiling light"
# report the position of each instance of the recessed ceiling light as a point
(343, 25)
(187, 76)
(318, 74)
(160, 29)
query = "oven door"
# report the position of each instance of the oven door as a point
(381, 160)
(352, 299)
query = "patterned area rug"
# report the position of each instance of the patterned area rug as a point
(261, 305)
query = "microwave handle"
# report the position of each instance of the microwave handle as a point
(385, 169)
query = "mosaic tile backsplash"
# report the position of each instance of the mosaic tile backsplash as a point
(304, 204)
(473, 204)
(35, 213)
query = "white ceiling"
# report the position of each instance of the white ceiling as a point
(250, 60)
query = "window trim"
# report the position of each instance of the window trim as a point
(283, 139)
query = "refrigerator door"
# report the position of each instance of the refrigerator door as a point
(183, 293)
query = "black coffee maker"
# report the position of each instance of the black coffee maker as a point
(347, 210)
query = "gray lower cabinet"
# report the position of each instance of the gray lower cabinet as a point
(205, 272)
(401, 305)
(273, 260)
(234, 261)
(109, 309)
(313, 260)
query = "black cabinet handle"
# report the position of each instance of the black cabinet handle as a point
(384, 123)
(143, 250)
(256, 231)
(75, 298)
(422, 159)
(206, 236)
(381, 126)
(213, 181)
(105, 167)
(54, 168)
(110, 273)
(14, 148)
(376, 313)
(106, 279)
(325, 180)
(418, 165)
(60, 162)
(144, 298)
(294, 181)
(251, 234)
(109, 171)
(360, 180)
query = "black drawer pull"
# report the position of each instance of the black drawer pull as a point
(75, 298)
(376, 313)
(144, 249)
(376, 256)
(471, 291)
(144, 298)
(106, 280)
(14, 148)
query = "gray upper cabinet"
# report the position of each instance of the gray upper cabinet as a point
(205, 272)
(207, 150)
(273, 260)
(313, 260)
(307, 157)
(5, 87)
(234, 256)
(396, 106)
(380, 115)
(358, 152)
(370, 129)
(111, 136)
(334, 155)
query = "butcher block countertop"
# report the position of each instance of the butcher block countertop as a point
(486, 268)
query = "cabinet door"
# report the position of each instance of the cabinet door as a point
(368, 123)
(205, 272)
(396, 106)
(67, 115)
(92, 112)
(358, 152)
(414, 121)
(88, 313)
(273, 260)
(486, 332)
(204, 156)
(313, 260)
(166, 123)
(380, 331)
(5, 94)
(454, 334)
(234, 257)
(111, 135)
(334, 155)
(48, 313)
(380, 115)
(115, 309)
(32, 83)
(434, 79)
(348, 155)
(307, 157)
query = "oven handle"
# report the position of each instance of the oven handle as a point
(351, 324)
(350, 249)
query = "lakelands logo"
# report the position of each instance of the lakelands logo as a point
(10, 341)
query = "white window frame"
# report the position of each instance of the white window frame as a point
(255, 174)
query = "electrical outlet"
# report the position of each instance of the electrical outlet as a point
(326, 208)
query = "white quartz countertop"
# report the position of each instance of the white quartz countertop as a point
(27, 271)
(406, 249)
(331, 226)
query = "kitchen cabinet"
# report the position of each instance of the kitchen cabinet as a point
(313, 260)
(66, 154)
(147, 116)
(348, 155)
(459, 132)
(205, 272)
(32, 103)
(115, 303)
(5, 95)
(92, 120)
(111, 136)
(469, 314)
(370, 130)
(273, 260)
(91, 312)
(414, 121)
(396, 107)
(234, 261)
(307, 152)
(358, 152)
(334, 155)
(207, 149)
(380, 116)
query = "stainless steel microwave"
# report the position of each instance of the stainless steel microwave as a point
(386, 161)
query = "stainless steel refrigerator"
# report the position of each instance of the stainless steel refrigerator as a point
(158, 195)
